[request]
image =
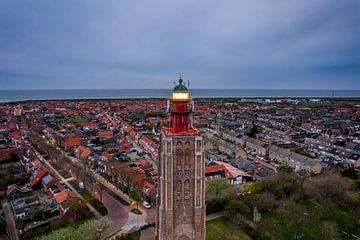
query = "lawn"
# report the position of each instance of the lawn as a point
(99, 206)
(64, 174)
(220, 229)
(117, 197)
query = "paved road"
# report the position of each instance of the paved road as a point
(10, 221)
(148, 234)
(117, 213)
(214, 216)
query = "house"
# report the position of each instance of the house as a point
(36, 180)
(15, 192)
(240, 153)
(124, 145)
(82, 152)
(145, 165)
(295, 160)
(235, 175)
(148, 187)
(20, 208)
(294, 136)
(71, 143)
(34, 164)
(63, 199)
(227, 149)
(208, 146)
(257, 147)
(213, 172)
(104, 135)
(48, 180)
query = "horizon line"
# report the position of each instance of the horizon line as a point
(70, 89)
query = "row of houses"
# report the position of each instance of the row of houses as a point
(150, 146)
(283, 156)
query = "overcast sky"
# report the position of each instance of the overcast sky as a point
(266, 44)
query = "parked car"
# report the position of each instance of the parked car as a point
(146, 205)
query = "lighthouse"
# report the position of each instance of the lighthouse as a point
(181, 195)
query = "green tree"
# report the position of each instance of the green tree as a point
(285, 168)
(90, 230)
(218, 193)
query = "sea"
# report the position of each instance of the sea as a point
(25, 95)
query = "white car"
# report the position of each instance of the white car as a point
(146, 205)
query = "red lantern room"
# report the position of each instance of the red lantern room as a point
(181, 107)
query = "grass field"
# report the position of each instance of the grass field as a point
(220, 229)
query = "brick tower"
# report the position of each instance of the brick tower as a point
(181, 197)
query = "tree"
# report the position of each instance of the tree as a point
(100, 186)
(327, 188)
(90, 230)
(350, 172)
(285, 168)
(218, 193)
(233, 207)
(75, 206)
(254, 130)
(265, 202)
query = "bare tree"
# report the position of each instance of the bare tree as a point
(100, 186)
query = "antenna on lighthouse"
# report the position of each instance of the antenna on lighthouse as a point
(188, 84)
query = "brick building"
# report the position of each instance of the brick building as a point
(181, 198)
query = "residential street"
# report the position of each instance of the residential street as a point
(10, 221)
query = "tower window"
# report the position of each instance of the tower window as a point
(187, 170)
(186, 194)
(178, 203)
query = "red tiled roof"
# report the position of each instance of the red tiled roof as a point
(11, 188)
(72, 142)
(147, 186)
(40, 174)
(88, 124)
(231, 171)
(105, 134)
(64, 195)
(82, 152)
(36, 162)
(213, 168)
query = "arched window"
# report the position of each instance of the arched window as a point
(178, 171)
(187, 170)
(179, 159)
(186, 189)
(178, 189)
